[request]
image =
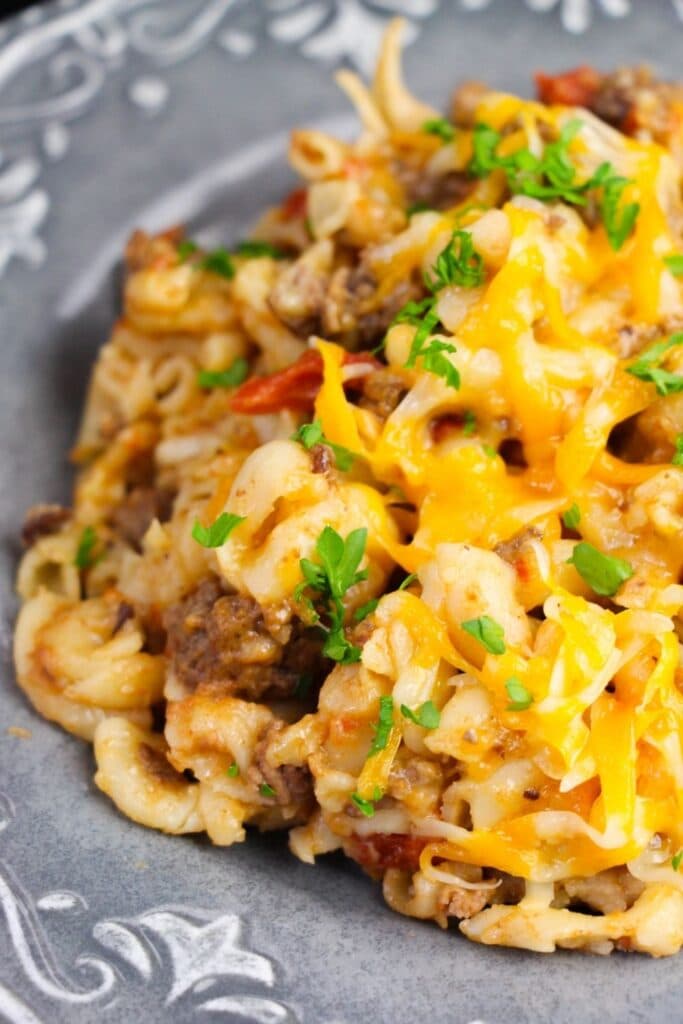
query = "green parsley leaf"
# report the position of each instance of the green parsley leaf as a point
(489, 450)
(85, 557)
(440, 127)
(457, 263)
(677, 459)
(253, 248)
(647, 366)
(366, 609)
(572, 517)
(676, 860)
(553, 176)
(331, 579)
(233, 771)
(485, 140)
(185, 249)
(383, 726)
(469, 423)
(418, 207)
(619, 221)
(219, 531)
(367, 807)
(434, 360)
(340, 559)
(520, 698)
(235, 375)
(266, 790)
(218, 261)
(488, 632)
(408, 581)
(674, 263)
(427, 715)
(603, 573)
(310, 434)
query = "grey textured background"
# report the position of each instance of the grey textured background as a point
(340, 954)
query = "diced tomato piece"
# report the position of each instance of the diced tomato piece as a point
(295, 204)
(295, 387)
(575, 88)
(522, 570)
(380, 851)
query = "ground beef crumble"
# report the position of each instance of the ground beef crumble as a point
(219, 641)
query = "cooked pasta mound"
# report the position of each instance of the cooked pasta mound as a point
(377, 531)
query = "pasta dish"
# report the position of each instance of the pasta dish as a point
(377, 532)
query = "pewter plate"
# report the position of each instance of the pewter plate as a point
(115, 113)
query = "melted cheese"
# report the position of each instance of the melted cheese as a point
(561, 391)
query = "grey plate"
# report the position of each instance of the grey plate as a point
(122, 112)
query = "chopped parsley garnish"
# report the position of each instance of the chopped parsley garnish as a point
(329, 580)
(553, 176)
(366, 609)
(266, 790)
(427, 715)
(520, 698)
(434, 360)
(572, 517)
(310, 434)
(648, 366)
(367, 807)
(489, 450)
(253, 248)
(440, 127)
(218, 261)
(488, 632)
(457, 263)
(408, 581)
(469, 423)
(418, 207)
(677, 459)
(85, 556)
(235, 375)
(233, 771)
(603, 573)
(619, 220)
(218, 532)
(185, 249)
(676, 860)
(383, 726)
(674, 263)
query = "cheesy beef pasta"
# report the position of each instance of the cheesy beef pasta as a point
(377, 528)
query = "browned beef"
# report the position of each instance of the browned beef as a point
(298, 295)
(322, 458)
(441, 191)
(156, 764)
(382, 392)
(292, 784)
(41, 521)
(220, 641)
(610, 891)
(133, 517)
(350, 309)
